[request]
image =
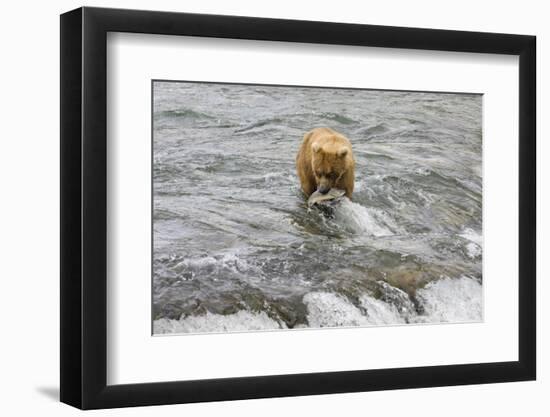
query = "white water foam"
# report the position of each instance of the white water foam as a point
(472, 236)
(230, 261)
(451, 301)
(204, 261)
(380, 312)
(447, 300)
(475, 244)
(473, 251)
(327, 309)
(358, 219)
(216, 323)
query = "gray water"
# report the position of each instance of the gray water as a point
(236, 248)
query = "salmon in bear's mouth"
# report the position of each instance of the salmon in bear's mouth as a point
(318, 197)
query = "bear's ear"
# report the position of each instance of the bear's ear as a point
(342, 152)
(316, 147)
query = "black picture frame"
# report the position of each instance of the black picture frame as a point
(84, 207)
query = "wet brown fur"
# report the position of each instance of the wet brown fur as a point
(325, 159)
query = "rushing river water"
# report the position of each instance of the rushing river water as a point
(236, 247)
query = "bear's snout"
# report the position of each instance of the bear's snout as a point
(323, 189)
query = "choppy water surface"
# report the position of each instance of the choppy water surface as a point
(236, 248)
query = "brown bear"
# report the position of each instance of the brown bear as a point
(325, 161)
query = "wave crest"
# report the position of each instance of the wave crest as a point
(216, 323)
(456, 300)
(356, 218)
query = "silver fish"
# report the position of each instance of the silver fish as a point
(317, 197)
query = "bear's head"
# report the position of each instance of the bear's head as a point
(329, 162)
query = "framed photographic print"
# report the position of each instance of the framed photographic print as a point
(256, 207)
